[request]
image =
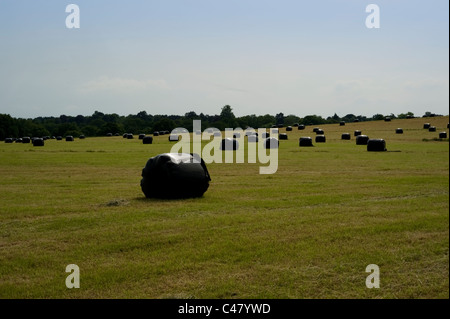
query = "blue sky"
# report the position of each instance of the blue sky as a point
(259, 56)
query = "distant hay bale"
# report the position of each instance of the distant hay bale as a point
(443, 135)
(19, 140)
(252, 139)
(141, 136)
(432, 129)
(274, 126)
(271, 142)
(345, 136)
(305, 141)
(173, 138)
(155, 133)
(356, 121)
(321, 139)
(399, 131)
(59, 138)
(26, 140)
(147, 140)
(229, 144)
(357, 133)
(387, 119)
(280, 125)
(283, 136)
(301, 127)
(117, 134)
(426, 126)
(82, 137)
(342, 123)
(362, 140)
(38, 142)
(288, 128)
(315, 129)
(376, 145)
(9, 140)
(130, 136)
(109, 134)
(69, 138)
(320, 132)
(125, 135)
(295, 125)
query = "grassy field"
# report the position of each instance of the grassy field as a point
(308, 231)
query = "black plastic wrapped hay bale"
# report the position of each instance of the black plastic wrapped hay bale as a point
(38, 142)
(82, 137)
(147, 140)
(252, 138)
(399, 131)
(432, 129)
(357, 133)
(376, 145)
(229, 144)
(19, 140)
(387, 119)
(320, 132)
(295, 125)
(443, 135)
(141, 136)
(305, 141)
(156, 133)
(109, 134)
(26, 139)
(301, 127)
(173, 138)
(130, 136)
(315, 129)
(345, 136)
(8, 140)
(362, 140)
(342, 123)
(426, 126)
(447, 125)
(288, 128)
(125, 135)
(69, 138)
(175, 175)
(59, 138)
(271, 142)
(283, 136)
(321, 139)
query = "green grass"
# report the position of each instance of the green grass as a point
(308, 231)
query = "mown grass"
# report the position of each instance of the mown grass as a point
(308, 231)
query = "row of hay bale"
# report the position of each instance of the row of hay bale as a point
(40, 141)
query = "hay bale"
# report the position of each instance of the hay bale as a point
(426, 126)
(362, 140)
(125, 135)
(376, 145)
(175, 175)
(229, 144)
(155, 133)
(19, 140)
(315, 129)
(271, 142)
(26, 140)
(399, 131)
(301, 127)
(345, 136)
(288, 128)
(252, 139)
(447, 125)
(8, 140)
(141, 136)
(357, 133)
(432, 129)
(280, 125)
(295, 125)
(82, 137)
(356, 121)
(173, 138)
(38, 142)
(305, 141)
(117, 134)
(443, 135)
(283, 136)
(109, 134)
(59, 138)
(69, 138)
(130, 136)
(147, 140)
(387, 119)
(320, 132)
(342, 123)
(274, 126)
(321, 139)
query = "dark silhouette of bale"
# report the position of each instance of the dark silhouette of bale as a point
(432, 129)
(295, 125)
(141, 136)
(109, 134)
(125, 135)
(26, 140)
(271, 142)
(283, 136)
(147, 140)
(173, 138)
(265, 135)
(399, 131)
(342, 123)
(175, 175)
(288, 128)
(117, 134)
(362, 140)
(53, 137)
(59, 138)
(301, 127)
(387, 119)
(357, 132)
(69, 138)
(443, 135)
(229, 144)
(46, 138)
(345, 136)
(252, 139)
(130, 136)
(447, 125)
(426, 126)
(156, 133)
(315, 129)
(280, 125)
(321, 139)
(19, 140)
(305, 141)
(162, 132)
(320, 132)
(82, 137)
(274, 126)
(376, 145)
(38, 142)
(356, 121)
(409, 116)
(8, 140)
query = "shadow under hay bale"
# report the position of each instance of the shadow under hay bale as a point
(357, 133)
(271, 143)
(69, 138)
(229, 144)
(376, 145)
(345, 136)
(321, 139)
(147, 140)
(283, 136)
(175, 175)
(443, 135)
(305, 141)
(432, 129)
(399, 131)
(426, 126)
(38, 142)
(362, 140)
(301, 127)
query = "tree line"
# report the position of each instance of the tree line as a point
(100, 124)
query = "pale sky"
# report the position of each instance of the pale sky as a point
(259, 56)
